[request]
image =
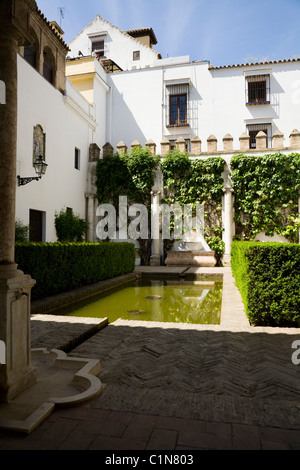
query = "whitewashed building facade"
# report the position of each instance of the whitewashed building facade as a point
(118, 90)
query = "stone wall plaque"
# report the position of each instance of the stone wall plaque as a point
(39, 143)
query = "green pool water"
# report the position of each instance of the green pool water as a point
(175, 301)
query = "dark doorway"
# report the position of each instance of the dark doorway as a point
(35, 226)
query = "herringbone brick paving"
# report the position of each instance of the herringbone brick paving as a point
(181, 388)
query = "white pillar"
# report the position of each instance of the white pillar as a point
(155, 229)
(91, 218)
(228, 219)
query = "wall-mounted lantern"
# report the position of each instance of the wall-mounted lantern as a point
(40, 168)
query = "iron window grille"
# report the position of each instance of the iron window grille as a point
(254, 129)
(98, 47)
(177, 105)
(258, 89)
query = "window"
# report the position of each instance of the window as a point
(178, 109)
(136, 55)
(98, 47)
(30, 55)
(258, 89)
(254, 129)
(177, 105)
(48, 67)
(77, 159)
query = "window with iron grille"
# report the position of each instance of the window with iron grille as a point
(136, 55)
(177, 100)
(98, 47)
(258, 89)
(254, 129)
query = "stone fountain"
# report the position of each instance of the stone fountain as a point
(191, 250)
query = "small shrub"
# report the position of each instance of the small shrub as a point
(268, 277)
(70, 227)
(21, 231)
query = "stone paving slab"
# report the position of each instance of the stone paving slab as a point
(62, 332)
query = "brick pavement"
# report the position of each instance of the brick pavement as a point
(180, 388)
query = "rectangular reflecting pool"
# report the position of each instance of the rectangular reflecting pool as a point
(178, 300)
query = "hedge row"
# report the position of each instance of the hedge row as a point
(59, 267)
(268, 278)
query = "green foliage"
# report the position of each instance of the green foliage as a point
(130, 175)
(60, 267)
(197, 181)
(268, 277)
(188, 181)
(69, 227)
(21, 231)
(266, 193)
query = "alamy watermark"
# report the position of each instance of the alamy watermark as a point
(2, 353)
(296, 354)
(2, 92)
(134, 221)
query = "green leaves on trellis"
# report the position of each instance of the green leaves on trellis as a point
(266, 190)
(188, 181)
(129, 175)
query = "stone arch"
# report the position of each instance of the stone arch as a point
(49, 68)
(31, 50)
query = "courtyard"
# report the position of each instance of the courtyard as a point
(174, 387)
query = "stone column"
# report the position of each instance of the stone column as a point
(17, 374)
(155, 229)
(228, 219)
(91, 212)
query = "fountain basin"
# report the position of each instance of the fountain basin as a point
(203, 259)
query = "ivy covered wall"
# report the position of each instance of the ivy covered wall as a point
(266, 190)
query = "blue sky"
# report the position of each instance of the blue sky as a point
(225, 32)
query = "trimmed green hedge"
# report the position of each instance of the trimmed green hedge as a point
(60, 267)
(268, 278)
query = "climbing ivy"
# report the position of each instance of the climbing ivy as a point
(197, 181)
(266, 190)
(130, 175)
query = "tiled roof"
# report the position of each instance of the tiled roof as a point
(141, 31)
(52, 28)
(211, 67)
